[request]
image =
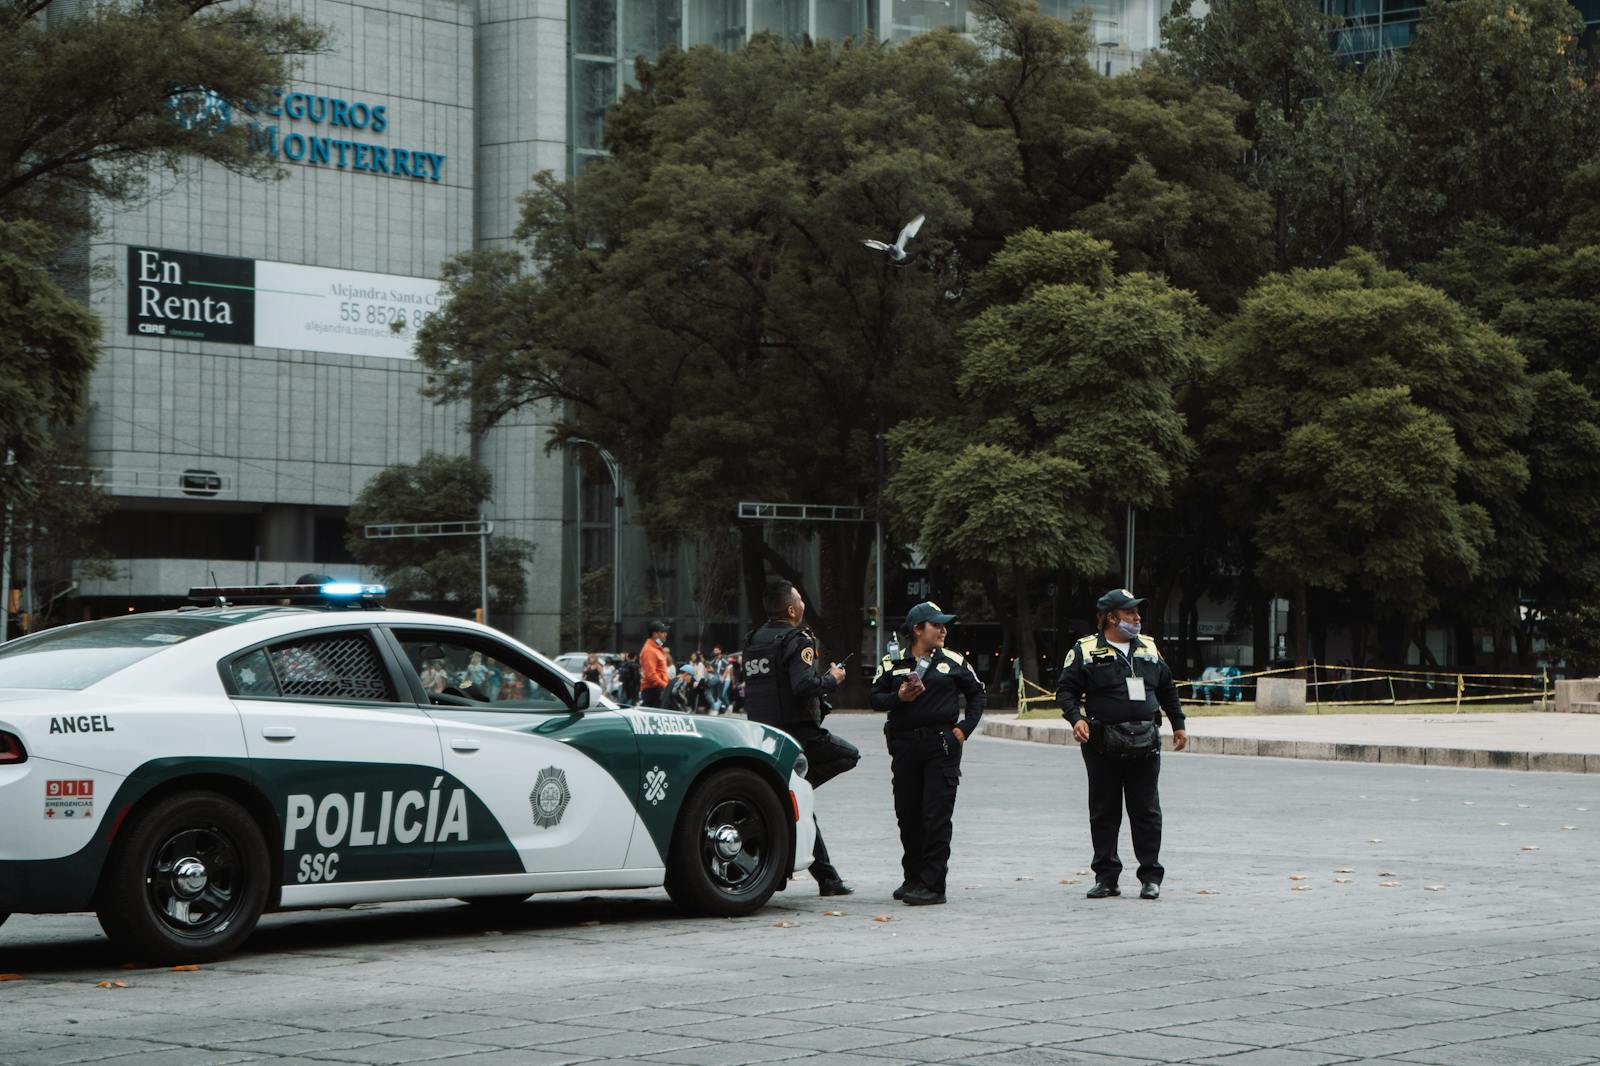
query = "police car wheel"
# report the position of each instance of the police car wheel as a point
(187, 882)
(731, 847)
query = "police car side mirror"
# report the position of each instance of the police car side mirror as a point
(582, 696)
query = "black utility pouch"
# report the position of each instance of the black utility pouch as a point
(1130, 738)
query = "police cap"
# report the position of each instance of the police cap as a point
(1117, 600)
(927, 611)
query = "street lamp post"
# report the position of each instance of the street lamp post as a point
(616, 537)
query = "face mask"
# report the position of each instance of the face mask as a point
(659, 642)
(1128, 629)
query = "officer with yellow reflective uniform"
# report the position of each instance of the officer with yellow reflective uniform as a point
(1125, 685)
(922, 691)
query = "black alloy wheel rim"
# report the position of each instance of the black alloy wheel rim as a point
(735, 845)
(195, 882)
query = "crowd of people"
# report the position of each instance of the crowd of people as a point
(704, 684)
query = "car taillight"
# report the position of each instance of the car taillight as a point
(794, 805)
(11, 749)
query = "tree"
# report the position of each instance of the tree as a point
(96, 94)
(1544, 298)
(48, 347)
(701, 304)
(1496, 109)
(1321, 144)
(55, 523)
(1068, 382)
(1146, 160)
(1370, 424)
(442, 571)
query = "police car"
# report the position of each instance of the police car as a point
(182, 772)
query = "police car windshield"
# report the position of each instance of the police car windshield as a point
(75, 657)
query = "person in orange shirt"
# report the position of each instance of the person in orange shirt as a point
(654, 670)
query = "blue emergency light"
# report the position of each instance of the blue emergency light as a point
(334, 594)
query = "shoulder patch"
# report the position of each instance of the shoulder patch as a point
(808, 655)
(1072, 655)
(883, 668)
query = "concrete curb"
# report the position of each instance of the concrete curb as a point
(1461, 758)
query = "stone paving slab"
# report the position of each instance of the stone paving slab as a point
(1233, 965)
(1551, 743)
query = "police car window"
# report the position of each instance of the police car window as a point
(338, 666)
(75, 657)
(252, 675)
(469, 673)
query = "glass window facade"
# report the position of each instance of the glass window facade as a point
(719, 23)
(787, 18)
(1369, 28)
(841, 19)
(913, 17)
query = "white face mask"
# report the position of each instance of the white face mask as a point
(660, 642)
(1130, 630)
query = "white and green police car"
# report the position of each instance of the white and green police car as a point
(181, 772)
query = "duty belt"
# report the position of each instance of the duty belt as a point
(916, 731)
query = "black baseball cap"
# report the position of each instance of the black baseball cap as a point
(658, 626)
(927, 611)
(1117, 600)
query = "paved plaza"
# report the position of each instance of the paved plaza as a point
(1464, 929)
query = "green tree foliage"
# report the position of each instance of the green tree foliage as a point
(700, 302)
(1146, 160)
(94, 97)
(439, 571)
(1495, 109)
(1371, 426)
(1321, 143)
(1069, 381)
(48, 346)
(1547, 300)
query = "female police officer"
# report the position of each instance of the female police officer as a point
(922, 692)
(1126, 685)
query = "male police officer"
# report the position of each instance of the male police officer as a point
(784, 688)
(1127, 685)
(922, 692)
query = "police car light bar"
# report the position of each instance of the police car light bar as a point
(331, 594)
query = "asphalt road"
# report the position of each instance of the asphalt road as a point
(1449, 943)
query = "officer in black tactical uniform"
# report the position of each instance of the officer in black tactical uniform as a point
(1126, 685)
(922, 691)
(784, 688)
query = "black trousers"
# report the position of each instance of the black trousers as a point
(829, 757)
(1115, 780)
(926, 765)
(653, 697)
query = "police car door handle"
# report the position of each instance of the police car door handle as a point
(465, 745)
(278, 732)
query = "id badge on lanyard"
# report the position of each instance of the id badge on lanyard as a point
(1136, 689)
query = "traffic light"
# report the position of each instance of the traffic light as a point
(872, 618)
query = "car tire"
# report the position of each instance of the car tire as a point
(731, 848)
(187, 881)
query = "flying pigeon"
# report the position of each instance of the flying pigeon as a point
(897, 250)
